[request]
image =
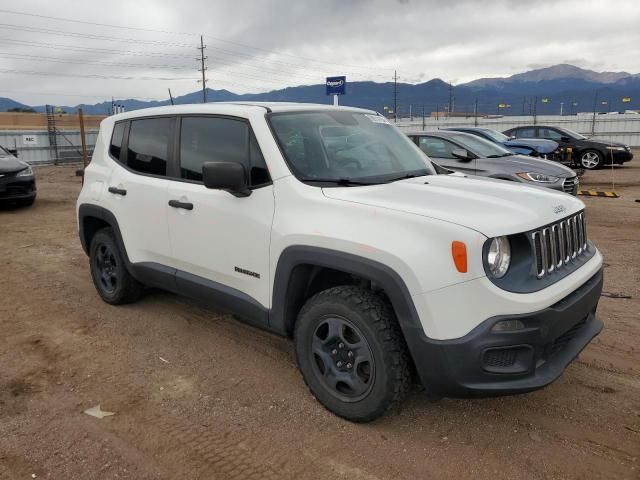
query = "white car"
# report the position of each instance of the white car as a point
(328, 225)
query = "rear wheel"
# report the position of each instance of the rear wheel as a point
(591, 159)
(351, 353)
(26, 202)
(112, 280)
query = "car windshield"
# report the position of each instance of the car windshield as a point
(481, 147)
(347, 148)
(573, 134)
(497, 136)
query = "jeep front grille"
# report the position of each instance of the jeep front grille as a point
(559, 244)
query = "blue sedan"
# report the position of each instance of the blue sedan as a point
(522, 146)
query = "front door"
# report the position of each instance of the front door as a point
(439, 150)
(215, 235)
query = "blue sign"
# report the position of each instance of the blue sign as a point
(336, 85)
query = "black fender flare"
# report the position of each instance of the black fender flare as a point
(282, 318)
(89, 210)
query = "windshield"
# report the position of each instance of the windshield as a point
(339, 146)
(481, 147)
(497, 136)
(571, 133)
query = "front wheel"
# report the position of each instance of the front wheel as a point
(351, 353)
(591, 159)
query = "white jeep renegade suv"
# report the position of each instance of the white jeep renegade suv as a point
(326, 224)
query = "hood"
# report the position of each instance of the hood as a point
(603, 141)
(491, 207)
(526, 164)
(11, 164)
(538, 144)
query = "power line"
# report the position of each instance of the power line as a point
(79, 62)
(112, 77)
(142, 29)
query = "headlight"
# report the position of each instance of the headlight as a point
(499, 256)
(27, 172)
(537, 177)
(618, 149)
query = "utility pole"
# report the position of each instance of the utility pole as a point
(535, 111)
(475, 113)
(170, 96)
(395, 96)
(85, 157)
(451, 99)
(524, 100)
(411, 112)
(203, 70)
(561, 105)
(423, 125)
(595, 106)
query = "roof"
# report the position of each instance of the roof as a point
(229, 108)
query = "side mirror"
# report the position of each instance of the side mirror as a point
(228, 176)
(461, 153)
(13, 151)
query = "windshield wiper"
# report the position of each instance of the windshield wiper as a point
(499, 156)
(345, 182)
(405, 176)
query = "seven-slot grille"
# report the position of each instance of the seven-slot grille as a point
(570, 185)
(559, 244)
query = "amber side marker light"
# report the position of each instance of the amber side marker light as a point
(459, 254)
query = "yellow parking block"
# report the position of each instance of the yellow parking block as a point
(593, 193)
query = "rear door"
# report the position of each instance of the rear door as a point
(220, 237)
(137, 188)
(439, 150)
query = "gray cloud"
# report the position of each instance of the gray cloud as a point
(262, 45)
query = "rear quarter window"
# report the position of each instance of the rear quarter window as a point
(117, 137)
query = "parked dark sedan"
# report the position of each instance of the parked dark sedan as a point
(590, 153)
(466, 153)
(523, 146)
(17, 182)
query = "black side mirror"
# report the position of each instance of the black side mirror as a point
(228, 176)
(13, 151)
(461, 153)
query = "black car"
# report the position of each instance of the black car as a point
(17, 182)
(470, 154)
(589, 153)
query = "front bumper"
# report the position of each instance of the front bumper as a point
(17, 188)
(618, 158)
(486, 363)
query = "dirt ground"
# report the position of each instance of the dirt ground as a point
(197, 395)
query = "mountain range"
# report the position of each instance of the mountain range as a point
(578, 89)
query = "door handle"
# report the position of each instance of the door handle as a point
(179, 204)
(118, 191)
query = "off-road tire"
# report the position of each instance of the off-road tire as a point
(372, 315)
(126, 289)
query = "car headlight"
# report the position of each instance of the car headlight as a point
(27, 172)
(537, 177)
(618, 149)
(499, 256)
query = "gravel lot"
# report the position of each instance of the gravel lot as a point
(198, 395)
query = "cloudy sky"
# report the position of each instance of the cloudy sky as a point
(84, 51)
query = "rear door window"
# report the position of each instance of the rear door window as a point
(529, 132)
(116, 140)
(147, 149)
